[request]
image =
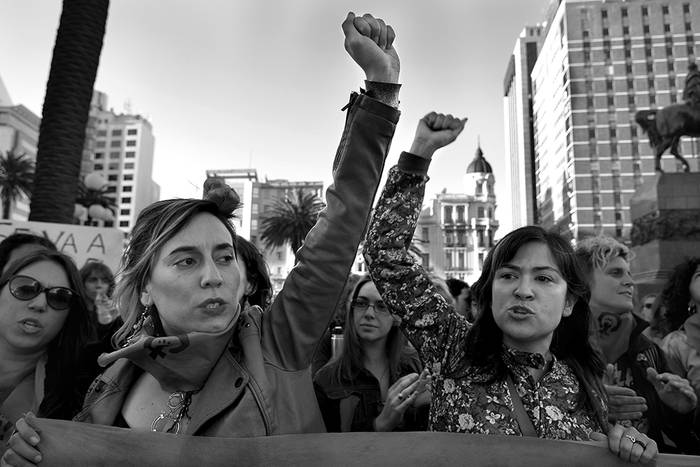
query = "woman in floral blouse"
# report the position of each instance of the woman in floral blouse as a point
(526, 366)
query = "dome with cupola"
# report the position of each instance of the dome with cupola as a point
(479, 164)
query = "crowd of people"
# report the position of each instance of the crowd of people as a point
(188, 338)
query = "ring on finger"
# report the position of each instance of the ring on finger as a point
(401, 397)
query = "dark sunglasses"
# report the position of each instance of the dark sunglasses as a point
(26, 288)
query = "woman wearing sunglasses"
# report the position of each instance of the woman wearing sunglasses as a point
(374, 384)
(44, 330)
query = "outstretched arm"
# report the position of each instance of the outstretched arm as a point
(301, 312)
(431, 324)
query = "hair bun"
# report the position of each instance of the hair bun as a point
(216, 190)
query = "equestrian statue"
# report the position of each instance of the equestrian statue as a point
(665, 126)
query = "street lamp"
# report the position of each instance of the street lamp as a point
(93, 204)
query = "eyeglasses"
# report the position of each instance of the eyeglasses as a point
(26, 288)
(363, 305)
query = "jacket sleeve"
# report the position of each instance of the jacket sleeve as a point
(432, 325)
(300, 313)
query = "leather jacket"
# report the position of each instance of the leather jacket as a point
(263, 384)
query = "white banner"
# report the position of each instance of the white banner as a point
(82, 243)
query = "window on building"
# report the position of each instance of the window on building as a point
(112, 177)
(460, 213)
(447, 214)
(130, 154)
(604, 13)
(126, 199)
(101, 132)
(101, 144)
(687, 26)
(117, 132)
(115, 143)
(448, 260)
(480, 212)
(99, 155)
(623, 12)
(460, 259)
(123, 223)
(480, 237)
(605, 32)
(114, 166)
(98, 167)
(132, 131)
(664, 9)
(111, 189)
(129, 165)
(626, 30)
(124, 212)
(667, 28)
(645, 11)
(479, 188)
(481, 260)
(425, 234)
(686, 8)
(109, 223)
(114, 155)
(131, 142)
(645, 29)
(127, 189)
(128, 177)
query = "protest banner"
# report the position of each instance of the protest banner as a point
(70, 444)
(82, 243)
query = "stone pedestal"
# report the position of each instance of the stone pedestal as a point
(665, 214)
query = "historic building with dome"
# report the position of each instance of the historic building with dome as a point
(456, 230)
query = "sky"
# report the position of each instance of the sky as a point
(260, 83)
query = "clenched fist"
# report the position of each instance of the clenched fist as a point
(370, 42)
(434, 132)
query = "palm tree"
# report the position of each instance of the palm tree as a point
(289, 220)
(69, 89)
(16, 179)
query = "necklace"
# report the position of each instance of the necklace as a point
(169, 420)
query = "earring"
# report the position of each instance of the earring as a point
(138, 325)
(692, 308)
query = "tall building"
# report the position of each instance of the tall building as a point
(453, 235)
(519, 136)
(257, 198)
(599, 63)
(123, 153)
(19, 134)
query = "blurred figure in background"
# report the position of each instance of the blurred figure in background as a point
(461, 293)
(362, 388)
(254, 274)
(99, 287)
(680, 300)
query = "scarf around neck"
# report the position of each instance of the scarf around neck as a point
(179, 363)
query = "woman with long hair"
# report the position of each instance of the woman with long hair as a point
(680, 300)
(45, 329)
(358, 390)
(526, 366)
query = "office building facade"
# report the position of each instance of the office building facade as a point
(600, 62)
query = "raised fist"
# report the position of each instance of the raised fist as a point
(369, 41)
(434, 132)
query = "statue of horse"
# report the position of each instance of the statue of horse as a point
(666, 126)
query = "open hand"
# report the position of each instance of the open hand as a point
(434, 132)
(370, 42)
(674, 391)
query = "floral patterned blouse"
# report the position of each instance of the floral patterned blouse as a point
(466, 399)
